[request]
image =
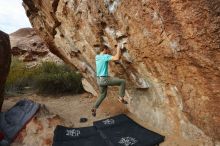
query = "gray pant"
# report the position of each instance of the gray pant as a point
(104, 82)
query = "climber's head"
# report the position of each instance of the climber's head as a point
(104, 49)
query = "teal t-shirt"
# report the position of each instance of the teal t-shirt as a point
(102, 64)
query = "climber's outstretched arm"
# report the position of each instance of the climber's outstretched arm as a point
(117, 55)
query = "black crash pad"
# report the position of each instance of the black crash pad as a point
(86, 136)
(122, 131)
(13, 120)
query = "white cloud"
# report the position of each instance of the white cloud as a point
(12, 16)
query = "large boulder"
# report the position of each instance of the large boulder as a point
(5, 61)
(173, 46)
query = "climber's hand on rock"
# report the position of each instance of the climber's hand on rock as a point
(119, 46)
(122, 46)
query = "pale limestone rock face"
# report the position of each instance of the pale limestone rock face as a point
(172, 47)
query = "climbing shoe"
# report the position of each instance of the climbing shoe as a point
(93, 112)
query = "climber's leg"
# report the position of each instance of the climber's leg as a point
(113, 81)
(102, 95)
(121, 83)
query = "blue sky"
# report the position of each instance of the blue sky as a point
(12, 16)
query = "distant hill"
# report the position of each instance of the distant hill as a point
(29, 47)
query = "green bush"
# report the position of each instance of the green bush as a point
(48, 78)
(18, 77)
(58, 79)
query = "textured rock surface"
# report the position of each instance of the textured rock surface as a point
(5, 61)
(30, 48)
(172, 45)
(39, 131)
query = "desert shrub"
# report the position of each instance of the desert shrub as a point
(57, 79)
(48, 78)
(19, 76)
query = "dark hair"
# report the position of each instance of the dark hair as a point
(103, 47)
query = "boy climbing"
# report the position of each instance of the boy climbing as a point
(104, 80)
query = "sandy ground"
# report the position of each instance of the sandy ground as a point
(71, 108)
(67, 110)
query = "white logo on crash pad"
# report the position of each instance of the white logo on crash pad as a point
(127, 141)
(109, 122)
(72, 132)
